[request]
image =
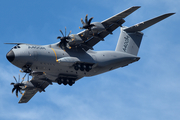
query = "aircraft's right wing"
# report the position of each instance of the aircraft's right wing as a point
(110, 25)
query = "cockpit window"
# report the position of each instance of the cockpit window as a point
(17, 46)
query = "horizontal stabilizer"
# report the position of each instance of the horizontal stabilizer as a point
(143, 25)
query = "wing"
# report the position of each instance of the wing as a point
(28, 94)
(38, 83)
(110, 25)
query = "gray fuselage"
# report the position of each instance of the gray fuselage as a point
(45, 59)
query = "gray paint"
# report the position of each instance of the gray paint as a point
(51, 63)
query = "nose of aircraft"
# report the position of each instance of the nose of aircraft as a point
(10, 56)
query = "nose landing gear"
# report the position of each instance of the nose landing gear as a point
(27, 68)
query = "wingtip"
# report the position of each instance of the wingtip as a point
(168, 14)
(171, 13)
(136, 6)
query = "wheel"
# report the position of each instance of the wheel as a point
(71, 82)
(68, 80)
(87, 68)
(76, 67)
(82, 67)
(90, 67)
(59, 82)
(64, 81)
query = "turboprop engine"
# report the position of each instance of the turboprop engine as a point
(74, 40)
(98, 27)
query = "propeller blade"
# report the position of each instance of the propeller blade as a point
(65, 31)
(16, 92)
(86, 19)
(12, 83)
(90, 20)
(28, 77)
(20, 91)
(80, 28)
(61, 32)
(82, 21)
(23, 78)
(13, 90)
(15, 78)
(58, 37)
(19, 78)
(69, 33)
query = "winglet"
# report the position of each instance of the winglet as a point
(143, 25)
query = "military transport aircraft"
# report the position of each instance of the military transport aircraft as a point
(73, 57)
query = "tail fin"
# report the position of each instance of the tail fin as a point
(130, 37)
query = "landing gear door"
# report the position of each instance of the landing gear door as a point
(35, 55)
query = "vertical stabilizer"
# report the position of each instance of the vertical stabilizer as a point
(129, 42)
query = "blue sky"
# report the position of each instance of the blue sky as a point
(145, 90)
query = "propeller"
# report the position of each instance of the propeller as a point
(87, 24)
(17, 85)
(64, 39)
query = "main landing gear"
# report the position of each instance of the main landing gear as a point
(65, 81)
(82, 67)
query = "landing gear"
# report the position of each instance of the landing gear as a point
(65, 81)
(82, 67)
(71, 82)
(77, 66)
(27, 68)
(88, 68)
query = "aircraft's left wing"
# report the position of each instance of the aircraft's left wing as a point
(39, 84)
(110, 25)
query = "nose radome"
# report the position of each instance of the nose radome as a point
(10, 56)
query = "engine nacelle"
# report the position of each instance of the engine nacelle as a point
(98, 27)
(75, 40)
